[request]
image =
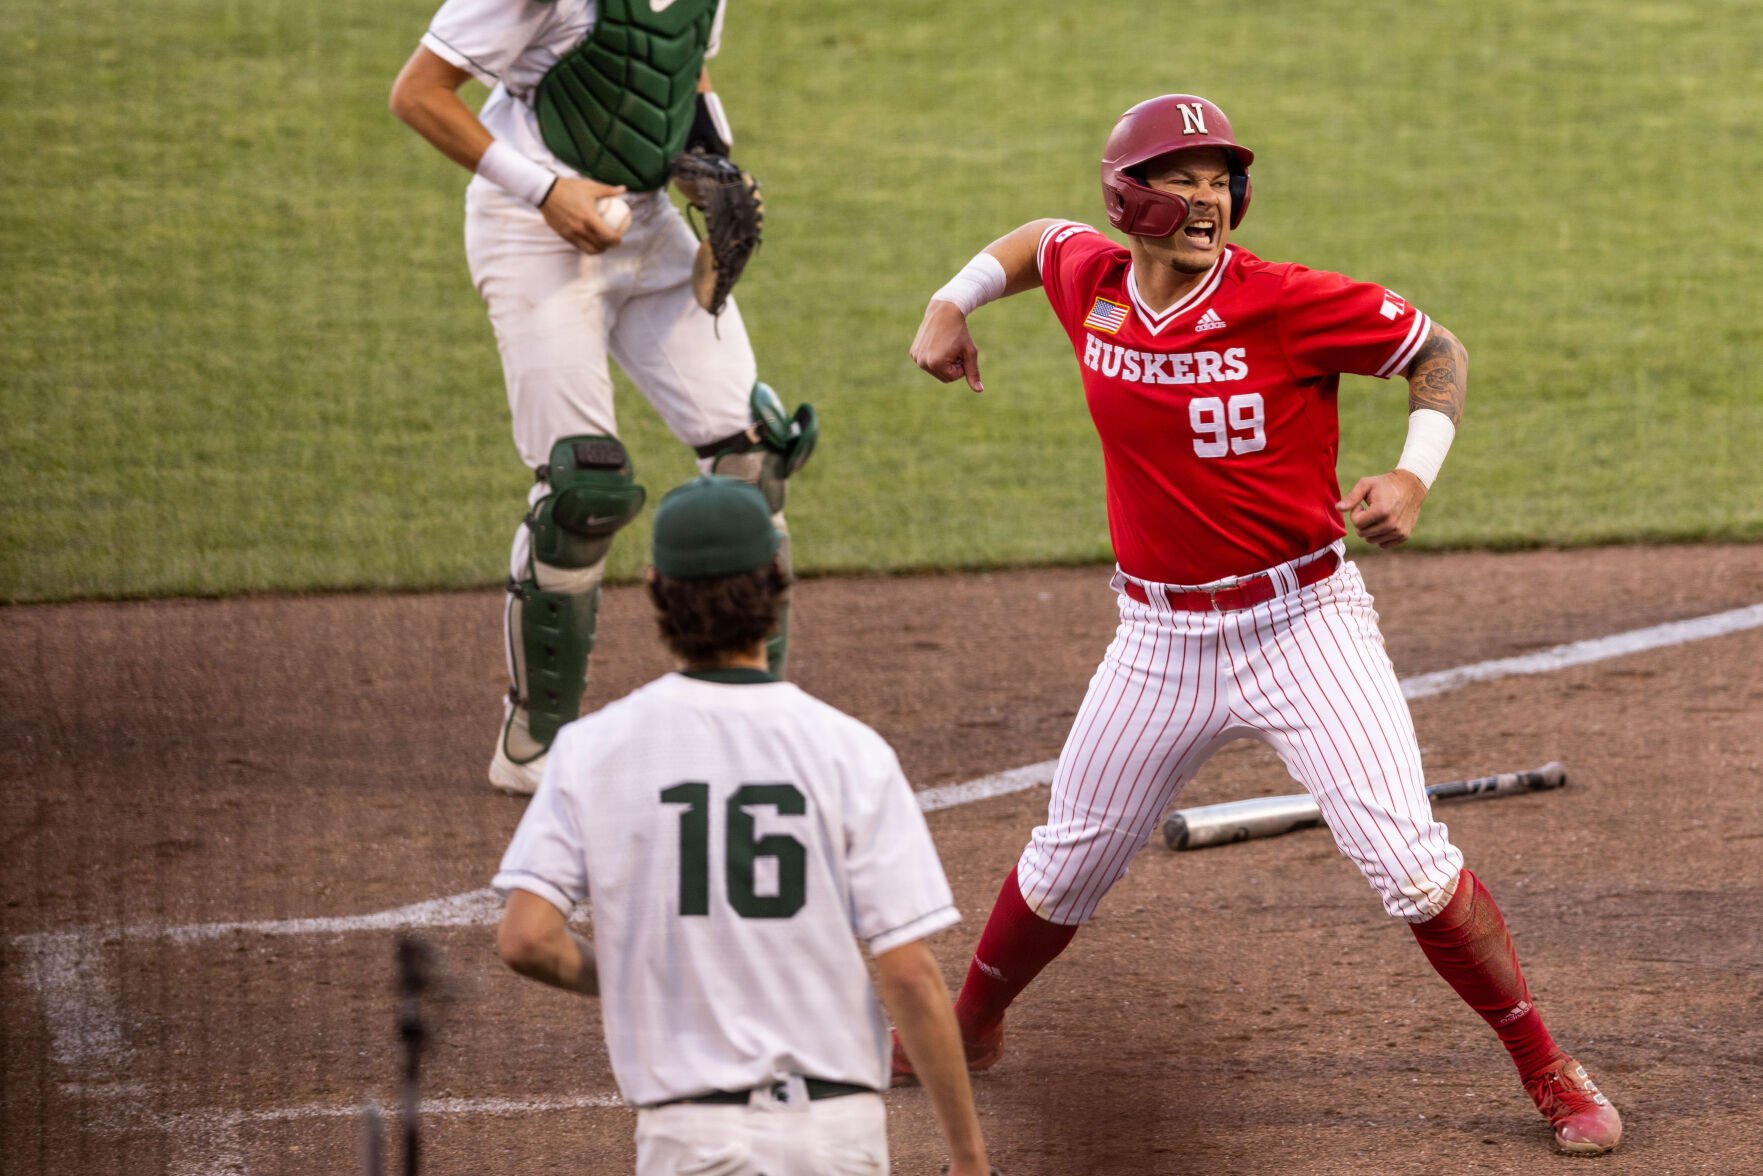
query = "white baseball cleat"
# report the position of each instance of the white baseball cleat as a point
(512, 778)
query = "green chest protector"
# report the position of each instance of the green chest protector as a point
(618, 106)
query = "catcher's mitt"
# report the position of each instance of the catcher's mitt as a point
(734, 212)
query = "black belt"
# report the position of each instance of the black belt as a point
(817, 1089)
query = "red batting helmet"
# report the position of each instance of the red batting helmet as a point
(1157, 127)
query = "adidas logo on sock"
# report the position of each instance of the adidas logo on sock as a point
(1209, 321)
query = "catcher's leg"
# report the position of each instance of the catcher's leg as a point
(554, 597)
(766, 454)
(550, 305)
(700, 375)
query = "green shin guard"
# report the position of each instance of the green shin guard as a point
(771, 449)
(554, 607)
(556, 637)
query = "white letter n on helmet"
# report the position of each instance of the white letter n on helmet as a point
(1193, 119)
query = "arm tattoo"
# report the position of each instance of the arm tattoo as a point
(1439, 376)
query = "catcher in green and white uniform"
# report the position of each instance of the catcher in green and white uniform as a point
(579, 255)
(738, 838)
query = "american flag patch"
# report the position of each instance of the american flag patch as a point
(1106, 316)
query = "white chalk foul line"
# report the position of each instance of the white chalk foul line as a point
(212, 1117)
(474, 908)
(67, 974)
(65, 970)
(212, 1143)
(1584, 653)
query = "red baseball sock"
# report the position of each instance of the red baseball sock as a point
(1015, 946)
(1468, 944)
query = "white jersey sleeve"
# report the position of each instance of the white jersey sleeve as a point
(486, 37)
(898, 891)
(547, 855)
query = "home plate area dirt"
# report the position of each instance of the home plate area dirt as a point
(210, 807)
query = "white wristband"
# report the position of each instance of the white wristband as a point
(514, 173)
(979, 282)
(1430, 433)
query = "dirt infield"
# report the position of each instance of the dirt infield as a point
(206, 803)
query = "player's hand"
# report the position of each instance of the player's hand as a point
(573, 212)
(1384, 509)
(944, 347)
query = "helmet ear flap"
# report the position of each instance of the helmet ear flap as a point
(1240, 190)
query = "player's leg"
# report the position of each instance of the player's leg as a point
(767, 453)
(1468, 944)
(690, 1137)
(1313, 670)
(700, 374)
(548, 303)
(1151, 717)
(585, 495)
(846, 1135)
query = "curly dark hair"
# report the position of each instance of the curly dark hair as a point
(705, 620)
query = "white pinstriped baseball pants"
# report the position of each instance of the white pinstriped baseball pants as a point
(1305, 672)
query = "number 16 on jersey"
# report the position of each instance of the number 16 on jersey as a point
(743, 851)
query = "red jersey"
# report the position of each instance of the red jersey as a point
(1217, 415)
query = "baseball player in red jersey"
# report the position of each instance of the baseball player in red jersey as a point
(1212, 377)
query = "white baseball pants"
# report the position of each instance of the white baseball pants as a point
(1305, 672)
(845, 1136)
(560, 313)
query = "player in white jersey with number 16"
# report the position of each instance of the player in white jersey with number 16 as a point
(738, 837)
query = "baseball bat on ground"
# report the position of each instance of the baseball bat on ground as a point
(1269, 816)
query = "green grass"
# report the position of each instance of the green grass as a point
(243, 353)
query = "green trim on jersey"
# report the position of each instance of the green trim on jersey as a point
(732, 676)
(618, 107)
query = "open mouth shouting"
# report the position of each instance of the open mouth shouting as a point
(1201, 232)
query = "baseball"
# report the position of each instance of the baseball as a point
(615, 212)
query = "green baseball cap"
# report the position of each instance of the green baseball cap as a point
(713, 526)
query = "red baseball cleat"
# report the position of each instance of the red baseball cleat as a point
(982, 1054)
(1584, 1121)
